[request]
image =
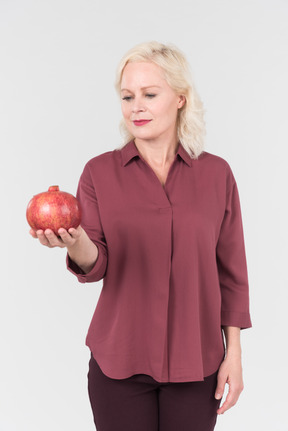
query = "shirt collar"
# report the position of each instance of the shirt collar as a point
(129, 151)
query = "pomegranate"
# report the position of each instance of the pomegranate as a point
(52, 210)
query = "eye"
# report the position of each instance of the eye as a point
(127, 98)
(150, 95)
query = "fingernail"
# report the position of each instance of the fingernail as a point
(218, 396)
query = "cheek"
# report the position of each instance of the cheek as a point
(167, 107)
(168, 114)
(125, 110)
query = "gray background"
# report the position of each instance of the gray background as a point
(59, 109)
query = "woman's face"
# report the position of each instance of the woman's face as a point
(149, 105)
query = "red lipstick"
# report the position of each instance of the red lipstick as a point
(141, 122)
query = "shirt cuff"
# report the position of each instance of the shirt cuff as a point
(95, 274)
(234, 318)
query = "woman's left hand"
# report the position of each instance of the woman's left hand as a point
(230, 372)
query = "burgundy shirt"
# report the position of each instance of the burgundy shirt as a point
(172, 260)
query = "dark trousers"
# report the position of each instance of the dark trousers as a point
(139, 403)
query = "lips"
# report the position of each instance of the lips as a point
(141, 122)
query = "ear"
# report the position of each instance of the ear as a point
(181, 101)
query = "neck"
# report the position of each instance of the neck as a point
(156, 152)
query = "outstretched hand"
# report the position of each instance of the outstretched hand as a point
(65, 239)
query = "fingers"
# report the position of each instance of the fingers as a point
(230, 401)
(68, 238)
(49, 239)
(75, 233)
(64, 238)
(33, 233)
(235, 388)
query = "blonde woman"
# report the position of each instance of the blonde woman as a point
(162, 227)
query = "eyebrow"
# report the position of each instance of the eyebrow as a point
(142, 88)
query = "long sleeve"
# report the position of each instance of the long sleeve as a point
(91, 223)
(231, 262)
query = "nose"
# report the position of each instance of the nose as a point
(137, 105)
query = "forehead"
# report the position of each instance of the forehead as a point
(142, 74)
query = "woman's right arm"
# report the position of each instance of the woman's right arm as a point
(87, 254)
(80, 248)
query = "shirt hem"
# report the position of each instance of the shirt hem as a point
(183, 379)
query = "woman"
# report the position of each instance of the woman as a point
(162, 227)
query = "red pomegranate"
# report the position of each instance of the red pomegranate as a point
(52, 210)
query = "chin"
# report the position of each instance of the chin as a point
(143, 135)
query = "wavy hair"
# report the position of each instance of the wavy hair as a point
(190, 121)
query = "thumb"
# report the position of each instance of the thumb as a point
(220, 388)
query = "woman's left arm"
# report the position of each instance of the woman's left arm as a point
(230, 371)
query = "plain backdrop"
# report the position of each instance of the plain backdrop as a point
(59, 109)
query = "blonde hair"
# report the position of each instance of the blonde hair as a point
(190, 122)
